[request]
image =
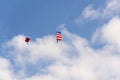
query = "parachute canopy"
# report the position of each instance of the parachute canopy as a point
(58, 36)
(27, 39)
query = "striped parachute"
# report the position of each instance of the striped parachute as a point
(58, 36)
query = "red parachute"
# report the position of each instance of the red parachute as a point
(27, 39)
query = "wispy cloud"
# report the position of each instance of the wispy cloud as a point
(109, 10)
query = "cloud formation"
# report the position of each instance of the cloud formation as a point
(110, 9)
(109, 33)
(5, 70)
(71, 59)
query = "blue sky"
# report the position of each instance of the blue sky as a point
(89, 49)
(41, 17)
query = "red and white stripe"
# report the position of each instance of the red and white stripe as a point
(58, 37)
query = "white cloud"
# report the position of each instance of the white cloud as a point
(6, 72)
(109, 32)
(110, 10)
(71, 59)
(89, 12)
(113, 6)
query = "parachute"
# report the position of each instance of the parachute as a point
(27, 39)
(58, 36)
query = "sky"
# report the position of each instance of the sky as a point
(89, 49)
